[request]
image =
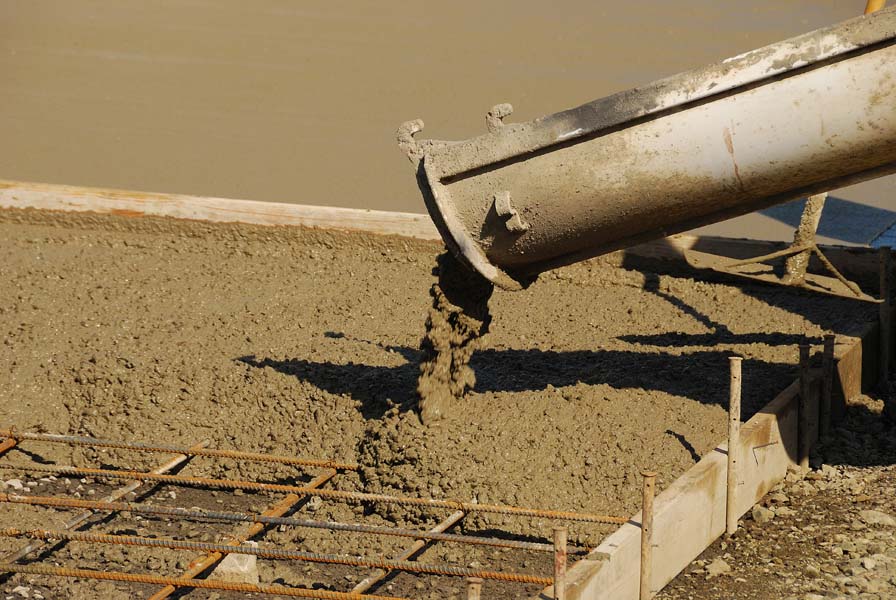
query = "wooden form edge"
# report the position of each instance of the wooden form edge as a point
(14, 194)
(690, 514)
(18, 194)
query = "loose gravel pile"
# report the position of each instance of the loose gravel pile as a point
(828, 533)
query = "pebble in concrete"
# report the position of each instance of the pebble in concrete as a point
(237, 568)
(876, 517)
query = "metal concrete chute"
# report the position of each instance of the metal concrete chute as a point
(786, 121)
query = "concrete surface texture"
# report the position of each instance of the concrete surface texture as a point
(167, 330)
(290, 102)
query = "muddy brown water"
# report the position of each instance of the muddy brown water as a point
(298, 102)
(305, 342)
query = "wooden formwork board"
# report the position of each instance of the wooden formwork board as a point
(17, 194)
(690, 514)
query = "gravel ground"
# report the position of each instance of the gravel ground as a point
(828, 533)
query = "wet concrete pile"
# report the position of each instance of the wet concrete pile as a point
(457, 321)
(307, 341)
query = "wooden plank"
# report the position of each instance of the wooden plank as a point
(690, 514)
(15, 194)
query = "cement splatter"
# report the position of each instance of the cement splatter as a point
(457, 321)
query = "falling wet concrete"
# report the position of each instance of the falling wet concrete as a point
(455, 327)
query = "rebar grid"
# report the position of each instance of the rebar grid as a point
(257, 523)
(275, 553)
(237, 517)
(203, 563)
(248, 588)
(121, 492)
(331, 494)
(75, 440)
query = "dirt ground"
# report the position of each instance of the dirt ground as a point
(303, 342)
(829, 534)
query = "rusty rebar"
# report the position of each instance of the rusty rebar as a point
(804, 433)
(886, 313)
(7, 444)
(331, 494)
(827, 386)
(235, 517)
(171, 449)
(374, 578)
(274, 553)
(734, 413)
(649, 490)
(121, 492)
(247, 588)
(210, 559)
(560, 560)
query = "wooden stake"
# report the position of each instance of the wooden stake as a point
(804, 429)
(827, 386)
(886, 332)
(734, 395)
(874, 6)
(646, 533)
(560, 535)
(474, 588)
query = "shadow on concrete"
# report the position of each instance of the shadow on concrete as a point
(671, 262)
(841, 220)
(720, 333)
(701, 376)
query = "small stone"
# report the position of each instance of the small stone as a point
(762, 515)
(875, 517)
(15, 484)
(237, 568)
(811, 596)
(779, 498)
(717, 567)
(314, 503)
(869, 563)
(21, 590)
(829, 472)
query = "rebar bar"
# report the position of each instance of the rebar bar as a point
(827, 386)
(885, 312)
(237, 454)
(374, 578)
(734, 397)
(331, 494)
(804, 437)
(203, 563)
(275, 553)
(646, 564)
(198, 514)
(111, 497)
(248, 588)
(560, 534)
(7, 444)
